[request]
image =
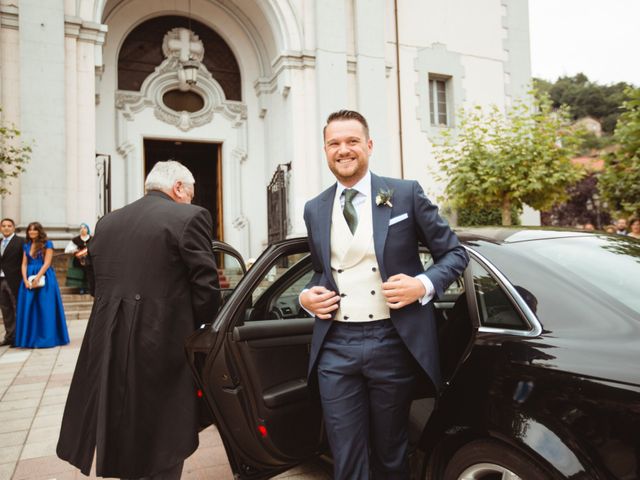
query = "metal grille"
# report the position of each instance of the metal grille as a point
(103, 172)
(277, 204)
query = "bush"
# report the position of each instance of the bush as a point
(471, 217)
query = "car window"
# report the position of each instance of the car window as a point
(454, 290)
(277, 294)
(230, 271)
(494, 306)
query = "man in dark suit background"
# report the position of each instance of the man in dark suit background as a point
(11, 251)
(133, 399)
(375, 325)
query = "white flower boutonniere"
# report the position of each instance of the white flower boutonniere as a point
(384, 198)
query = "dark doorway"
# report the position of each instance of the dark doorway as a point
(203, 159)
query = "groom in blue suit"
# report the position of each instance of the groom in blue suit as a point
(375, 329)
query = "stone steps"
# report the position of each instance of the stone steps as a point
(77, 306)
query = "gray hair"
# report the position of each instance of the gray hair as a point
(164, 175)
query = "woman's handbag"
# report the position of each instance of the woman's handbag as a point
(40, 283)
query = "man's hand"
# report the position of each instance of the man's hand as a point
(320, 301)
(401, 290)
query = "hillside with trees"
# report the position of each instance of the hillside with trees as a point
(609, 190)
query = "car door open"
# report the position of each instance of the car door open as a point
(252, 365)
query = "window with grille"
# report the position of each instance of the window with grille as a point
(438, 107)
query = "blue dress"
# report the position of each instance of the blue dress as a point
(40, 319)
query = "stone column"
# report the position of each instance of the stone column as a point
(82, 39)
(369, 21)
(331, 64)
(9, 101)
(91, 37)
(72, 30)
(42, 111)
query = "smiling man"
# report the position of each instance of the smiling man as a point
(375, 329)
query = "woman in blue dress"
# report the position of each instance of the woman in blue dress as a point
(40, 319)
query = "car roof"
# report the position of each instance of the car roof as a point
(503, 235)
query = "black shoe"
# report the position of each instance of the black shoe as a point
(6, 342)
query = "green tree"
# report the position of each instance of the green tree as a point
(503, 160)
(620, 180)
(585, 98)
(13, 155)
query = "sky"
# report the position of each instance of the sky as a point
(600, 38)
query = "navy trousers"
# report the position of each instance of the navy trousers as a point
(366, 377)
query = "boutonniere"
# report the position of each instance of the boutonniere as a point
(384, 198)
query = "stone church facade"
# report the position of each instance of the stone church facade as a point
(238, 90)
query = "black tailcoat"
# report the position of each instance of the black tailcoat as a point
(133, 398)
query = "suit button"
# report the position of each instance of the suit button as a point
(345, 318)
(374, 269)
(137, 297)
(370, 315)
(373, 292)
(339, 270)
(343, 294)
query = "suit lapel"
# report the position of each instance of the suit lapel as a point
(380, 215)
(325, 209)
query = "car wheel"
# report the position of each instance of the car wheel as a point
(491, 460)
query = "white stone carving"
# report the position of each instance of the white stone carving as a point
(240, 222)
(183, 44)
(165, 79)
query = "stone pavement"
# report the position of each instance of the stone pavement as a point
(33, 390)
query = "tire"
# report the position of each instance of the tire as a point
(492, 460)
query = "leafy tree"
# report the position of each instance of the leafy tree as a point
(620, 181)
(583, 206)
(585, 98)
(13, 155)
(502, 160)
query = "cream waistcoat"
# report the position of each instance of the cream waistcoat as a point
(355, 268)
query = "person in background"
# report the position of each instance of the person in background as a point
(40, 319)
(621, 226)
(589, 227)
(610, 229)
(634, 227)
(77, 269)
(10, 277)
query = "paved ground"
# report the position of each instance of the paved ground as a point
(33, 391)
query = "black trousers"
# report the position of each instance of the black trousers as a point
(8, 308)
(366, 378)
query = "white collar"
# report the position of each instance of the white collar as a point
(8, 239)
(363, 186)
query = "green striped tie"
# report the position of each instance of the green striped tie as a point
(349, 210)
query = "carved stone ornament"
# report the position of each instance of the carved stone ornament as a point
(183, 44)
(165, 78)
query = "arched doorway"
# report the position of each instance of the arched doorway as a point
(149, 67)
(202, 159)
(242, 126)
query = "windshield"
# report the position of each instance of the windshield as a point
(609, 265)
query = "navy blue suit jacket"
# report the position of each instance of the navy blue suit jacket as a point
(396, 248)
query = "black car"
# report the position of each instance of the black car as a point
(540, 350)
